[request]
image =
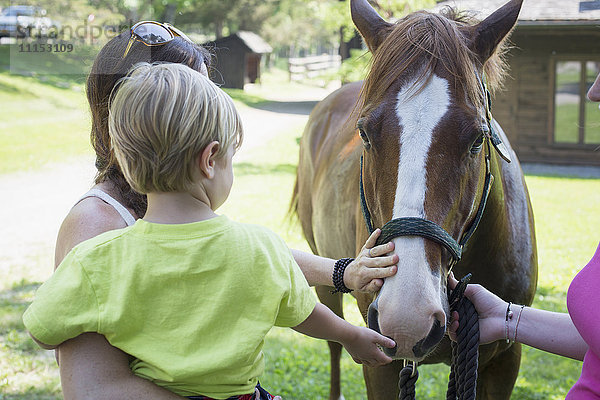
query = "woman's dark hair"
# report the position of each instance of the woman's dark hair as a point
(110, 66)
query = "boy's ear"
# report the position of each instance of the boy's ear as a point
(206, 159)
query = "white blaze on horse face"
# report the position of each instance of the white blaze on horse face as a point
(418, 115)
(411, 300)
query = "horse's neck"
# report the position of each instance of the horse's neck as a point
(502, 242)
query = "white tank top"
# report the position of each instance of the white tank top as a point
(123, 212)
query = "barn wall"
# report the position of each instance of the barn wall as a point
(230, 63)
(526, 108)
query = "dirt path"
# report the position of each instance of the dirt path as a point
(33, 206)
(35, 202)
(285, 111)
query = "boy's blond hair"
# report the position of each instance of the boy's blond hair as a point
(161, 118)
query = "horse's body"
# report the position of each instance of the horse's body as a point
(423, 158)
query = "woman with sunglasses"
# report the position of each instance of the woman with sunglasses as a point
(90, 367)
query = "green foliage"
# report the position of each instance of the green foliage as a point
(299, 25)
(355, 68)
(288, 25)
(246, 98)
(323, 20)
(398, 8)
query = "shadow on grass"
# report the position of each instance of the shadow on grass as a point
(55, 69)
(288, 107)
(527, 393)
(248, 99)
(296, 367)
(11, 89)
(13, 303)
(562, 171)
(32, 394)
(285, 107)
(245, 168)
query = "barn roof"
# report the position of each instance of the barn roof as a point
(254, 42)
(251, 40)
(536, 12)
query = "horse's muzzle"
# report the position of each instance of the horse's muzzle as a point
(422, 347)
(373, 322)
(425, 345)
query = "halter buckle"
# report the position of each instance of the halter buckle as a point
(414, 367)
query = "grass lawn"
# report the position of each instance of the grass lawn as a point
(45, 118)
(40, 123)
(297, 367)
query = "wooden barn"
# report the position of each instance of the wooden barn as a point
(238, 58)
(555, 59)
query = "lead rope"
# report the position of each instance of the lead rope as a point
(462, 382)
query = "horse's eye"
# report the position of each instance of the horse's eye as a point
(363, 135)
(477, 144)
(365, 139)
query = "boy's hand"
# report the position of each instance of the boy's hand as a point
(490, 308)
(364, 349)
(362, 343)
(371, 266)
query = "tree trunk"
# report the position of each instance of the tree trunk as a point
(219, 29)
(169, 13)
(354, 43)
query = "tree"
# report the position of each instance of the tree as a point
(226, 16)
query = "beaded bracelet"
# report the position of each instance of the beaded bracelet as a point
(338, 275)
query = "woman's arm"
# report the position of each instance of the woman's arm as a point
(545, 330)
(365, 273)
(362, 343)
(90, 368)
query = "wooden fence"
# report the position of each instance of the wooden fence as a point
(310, 67)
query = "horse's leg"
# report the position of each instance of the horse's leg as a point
(382, 382)
(497, 378)
(335, 302)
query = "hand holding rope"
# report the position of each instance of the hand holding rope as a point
(462, 383)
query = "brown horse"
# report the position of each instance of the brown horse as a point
(422, 125)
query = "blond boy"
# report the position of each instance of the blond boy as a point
(189, 293)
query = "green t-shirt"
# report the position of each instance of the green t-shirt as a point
(191, 302)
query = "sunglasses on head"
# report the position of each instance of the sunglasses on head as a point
(153, 33)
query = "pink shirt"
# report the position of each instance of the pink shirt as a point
(583, 302)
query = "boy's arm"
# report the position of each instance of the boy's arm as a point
(365, 273)
(360, 342)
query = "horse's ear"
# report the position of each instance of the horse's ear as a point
(368, 22)
(490, 32)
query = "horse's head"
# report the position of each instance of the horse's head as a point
(422, 118)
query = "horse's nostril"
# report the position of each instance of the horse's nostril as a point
(424, 346)
(440, 316)
(373, 315)
(390, 352)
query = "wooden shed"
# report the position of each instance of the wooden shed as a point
(544, 109)
(238, 58)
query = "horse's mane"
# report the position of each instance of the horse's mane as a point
(418, 43)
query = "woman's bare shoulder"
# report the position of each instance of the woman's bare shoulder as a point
(87, 219)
